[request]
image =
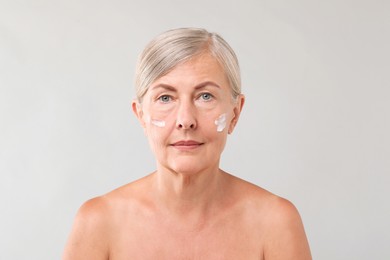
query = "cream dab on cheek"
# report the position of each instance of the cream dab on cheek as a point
(158, 123)
(155, 122)
(220, 122)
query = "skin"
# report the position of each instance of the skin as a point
(188, 208)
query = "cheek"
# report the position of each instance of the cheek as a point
(157, 137)
(154, 125)
(215, 123)
(220, 122)
(157, 122)
(159, 118)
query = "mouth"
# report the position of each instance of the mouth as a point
(186, 145)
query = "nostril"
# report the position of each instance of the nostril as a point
(186, 126)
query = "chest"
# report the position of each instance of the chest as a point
(224, 239)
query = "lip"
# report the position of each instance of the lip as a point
(186, 145)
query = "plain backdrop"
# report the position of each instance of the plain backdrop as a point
(315, 126)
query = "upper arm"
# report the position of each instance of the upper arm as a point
(88, 238)
(286, 238)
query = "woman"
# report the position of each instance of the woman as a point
(188, 100)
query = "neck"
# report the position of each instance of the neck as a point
(195, 194)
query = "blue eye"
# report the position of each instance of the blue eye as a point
(206, 96)
(165, 98)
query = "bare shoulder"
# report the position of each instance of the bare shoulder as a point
(247, 192)
(97, 220)
(277, 219)
(88, 238)
(285, 234)
(132, 194)
(93, 210)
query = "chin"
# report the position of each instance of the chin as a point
(190, 166)
(187, 169)
(191, 172)
(185, 166)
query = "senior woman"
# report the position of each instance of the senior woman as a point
(188, 100)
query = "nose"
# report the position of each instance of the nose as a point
(186, 116)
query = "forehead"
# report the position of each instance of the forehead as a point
(198, 69)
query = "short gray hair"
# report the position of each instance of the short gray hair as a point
(176, 46)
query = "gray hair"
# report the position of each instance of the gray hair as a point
(176, 46)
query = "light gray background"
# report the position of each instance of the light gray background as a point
(315, 128)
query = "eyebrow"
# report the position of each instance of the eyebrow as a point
(207, 83)
(199, 86)
(164, 86)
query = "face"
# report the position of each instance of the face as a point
(187, 115)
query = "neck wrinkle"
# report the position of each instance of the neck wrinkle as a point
(188, 195)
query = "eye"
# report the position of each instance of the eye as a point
(206, 96)
(165, 98)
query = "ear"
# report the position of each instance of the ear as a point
(236, 112)
(137, 110)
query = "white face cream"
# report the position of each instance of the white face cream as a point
(220, 122)
(158, 123)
